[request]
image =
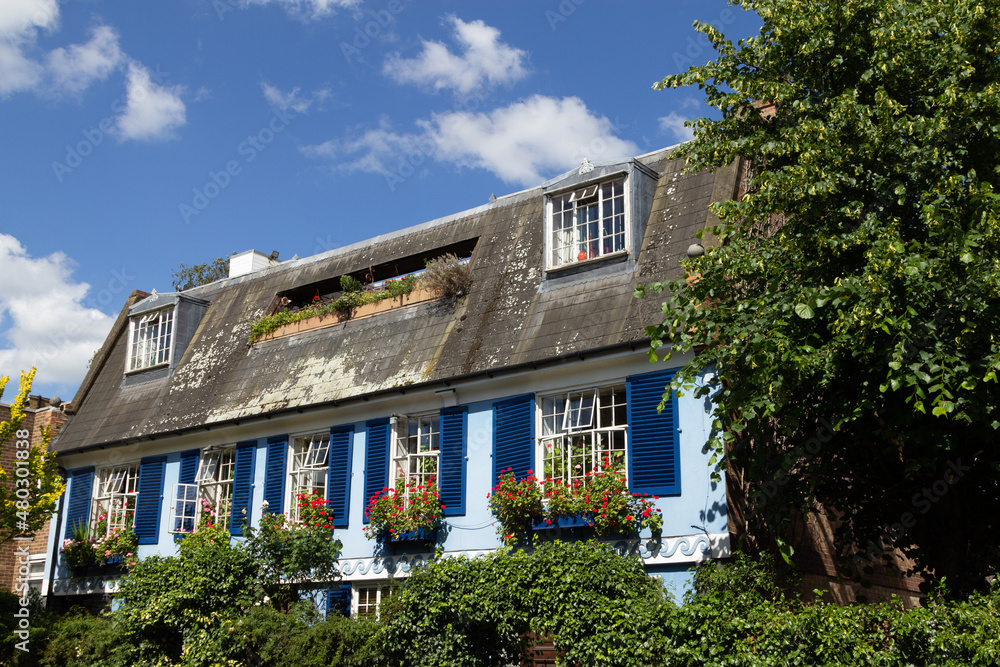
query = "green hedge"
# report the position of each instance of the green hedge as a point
(597, 607)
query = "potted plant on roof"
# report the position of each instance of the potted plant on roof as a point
(405, 513)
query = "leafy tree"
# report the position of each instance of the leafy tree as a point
(850, 301)
(28, 493)
(186, 277)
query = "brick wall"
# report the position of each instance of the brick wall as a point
(38, 415)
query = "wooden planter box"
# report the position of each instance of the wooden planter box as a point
(360, 313)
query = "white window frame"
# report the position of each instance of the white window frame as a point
(115, 492)
(565, 251)
(381, 588)
(36, 579)
(213, 483)
(150, 340)
(561, 420)
(308, 468)
(416, 444)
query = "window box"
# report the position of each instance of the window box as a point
(114, 566)
(415, 297)
(420, 535)
(563, 522)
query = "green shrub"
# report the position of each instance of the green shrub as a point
(350, 284)
(79, 639)
(38, 630)
(598, 608)
(336, 642)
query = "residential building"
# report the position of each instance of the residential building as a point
(540, 365)
(40, 415)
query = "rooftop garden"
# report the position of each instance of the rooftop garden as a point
(444, 277)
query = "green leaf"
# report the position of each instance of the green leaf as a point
(804, 311)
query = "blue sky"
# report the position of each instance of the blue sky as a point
(143, 135)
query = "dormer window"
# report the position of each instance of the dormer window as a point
(160, 328)
(150, 339)
(595, 219)
(587, 223)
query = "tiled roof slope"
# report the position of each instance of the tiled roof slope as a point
(507, 317)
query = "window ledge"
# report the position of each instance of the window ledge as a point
(136, 371)
(587, 262)
(415, 297)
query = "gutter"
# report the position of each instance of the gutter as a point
(604, 350)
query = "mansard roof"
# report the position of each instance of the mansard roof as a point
(514, 315)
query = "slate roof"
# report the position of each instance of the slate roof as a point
(509, 317)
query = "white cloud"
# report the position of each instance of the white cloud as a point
(292, 100)
(20, 21)
(16, 72)
(152, 112)
(63, 70)
(484, 58)
(73, 69)
(49, 324)
(673, 125)
(522, 143)
(23, 17)
(308, 10)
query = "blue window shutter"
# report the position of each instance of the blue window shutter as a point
(149, 499)
(376, 458)
(453, 447)
(513, 435)
(338, 475)
(242, 485)
(189, 466)
(654, 450)
(78, 507)
(274, 474)
(338, 599)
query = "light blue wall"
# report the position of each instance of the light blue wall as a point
(701, 503)
(701, 508)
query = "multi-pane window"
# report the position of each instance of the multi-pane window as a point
(210, 498)
(580, 430)
(113, 505)
(417, 449)
(587, 223)
(36, 573)
(149, 340)
(368, 597)
(215, 484)
(308, 469)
